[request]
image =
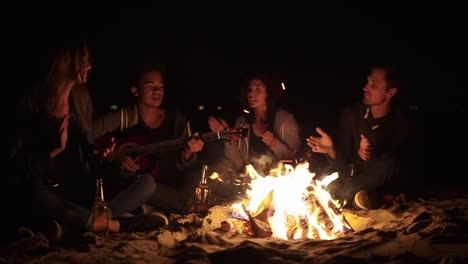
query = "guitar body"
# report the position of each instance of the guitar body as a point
(146, 162)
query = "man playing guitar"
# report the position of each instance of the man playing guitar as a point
(175, 171)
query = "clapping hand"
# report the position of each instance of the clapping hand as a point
(269, 139)
(364, 148)
(217, 124)
(322, 143)
(63, 134)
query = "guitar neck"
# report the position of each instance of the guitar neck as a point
(172, 145)
(156, 148)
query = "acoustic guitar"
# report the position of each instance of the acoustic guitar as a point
(145, 154)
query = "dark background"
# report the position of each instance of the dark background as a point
(320, 52)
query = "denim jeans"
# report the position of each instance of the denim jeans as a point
(374, 175)
(50, 204)
(139, 190)
(177, 197)
(44, 202)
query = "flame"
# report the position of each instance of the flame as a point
(215, 176)
(298, 204)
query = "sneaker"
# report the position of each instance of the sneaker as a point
(160, 215)
(55, 232)
(142, 223)
(50, 228)
(366, 200)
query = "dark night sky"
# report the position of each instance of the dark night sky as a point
(320, 52)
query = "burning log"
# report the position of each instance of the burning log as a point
(255, 230)
(295, 205)
(326, 212)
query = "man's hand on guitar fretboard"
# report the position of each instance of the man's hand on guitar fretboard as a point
(194, 144)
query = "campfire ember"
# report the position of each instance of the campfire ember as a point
(290, 204)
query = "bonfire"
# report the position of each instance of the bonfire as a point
(290, 203)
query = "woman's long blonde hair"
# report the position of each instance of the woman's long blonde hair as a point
(64, 65)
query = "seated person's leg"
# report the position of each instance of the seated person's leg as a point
(138, 191)
(169, 200)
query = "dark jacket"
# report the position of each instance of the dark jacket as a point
(388, 135)
(36, 135)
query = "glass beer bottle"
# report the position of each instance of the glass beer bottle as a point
(101, 214)
(202, 194)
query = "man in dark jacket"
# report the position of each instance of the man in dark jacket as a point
(372, 140)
